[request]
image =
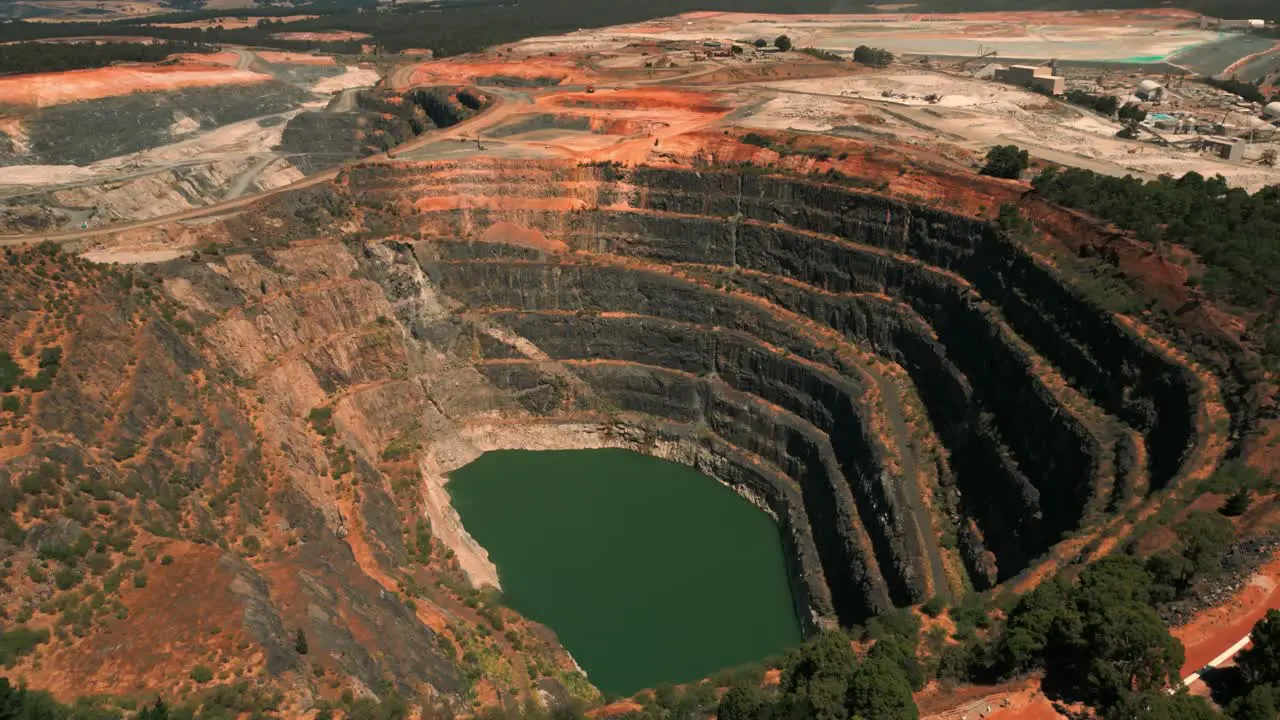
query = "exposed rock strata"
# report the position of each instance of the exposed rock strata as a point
(694, 285)
(770, 331)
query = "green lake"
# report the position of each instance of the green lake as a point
(648, 571)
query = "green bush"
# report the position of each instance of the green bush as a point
(1006, 161)
(66, 578)
(321, 419)
(201, 674)
(10, 372)
(935, 607)
(18, 642)
(140, 580)
(97, 562)
(1237, 504)
(874, 57)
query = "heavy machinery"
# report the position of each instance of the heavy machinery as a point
(965, 63)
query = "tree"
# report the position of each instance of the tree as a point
(159, 711)
(1259, 704)
(879, 690)
(1006, 161)
(1162, 706)
(1127, 648)
(816, 679)
(1261, 662)
(761, 42)
(875, 57)
(741, 702)
(1236, 504)
(1030, 625)
(1203, 537)
(1107, 105)
(1132, 111)
(782, 42)
(901, 652)
(300, 642)
(1113, 581)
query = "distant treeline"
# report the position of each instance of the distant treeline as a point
(460, 26)
(1233, 232)
(55, 56)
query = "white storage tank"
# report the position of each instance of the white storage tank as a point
(1272, 111)
(1150, 90)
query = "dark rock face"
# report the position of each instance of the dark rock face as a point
(762, 311)
(375, 122)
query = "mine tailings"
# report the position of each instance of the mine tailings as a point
(648, 571)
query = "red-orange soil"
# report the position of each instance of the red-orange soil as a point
(333, 36)
(233, 23)
(45, 89)
(464, 71)
(290, 58)
(1217, 629)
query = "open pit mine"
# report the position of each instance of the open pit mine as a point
(228, 432)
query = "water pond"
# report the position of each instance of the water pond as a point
(648, 571)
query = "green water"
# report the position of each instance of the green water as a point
(648, 571)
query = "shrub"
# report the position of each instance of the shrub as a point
(874, 57)
(18, 642)
(98, 563)
(10, 373)
(140, 580)
(201, 674)
(935, 606)
(1237, 504)
(252, 545)
(166, 560)
(66, 578)
(782, 42)
(321, 419)
(1006, 161)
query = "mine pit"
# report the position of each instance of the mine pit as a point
(783, 326)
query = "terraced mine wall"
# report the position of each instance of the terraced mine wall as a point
(769, 313)
(376, 122)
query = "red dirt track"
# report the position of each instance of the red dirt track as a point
(45, 89)
(1217, 629)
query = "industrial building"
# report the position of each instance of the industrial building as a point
(1226, 148)
(1034, 77)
